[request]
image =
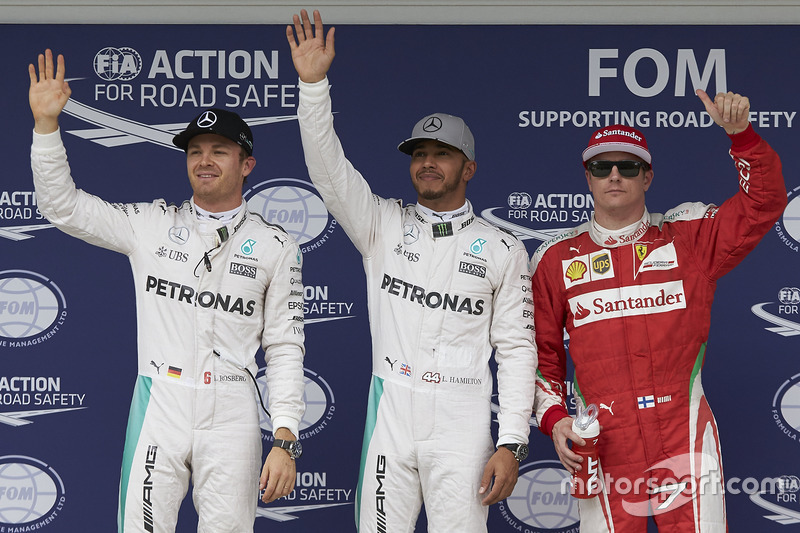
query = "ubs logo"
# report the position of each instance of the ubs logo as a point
(174, 255)
(411, 256)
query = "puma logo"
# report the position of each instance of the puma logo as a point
(608, 407)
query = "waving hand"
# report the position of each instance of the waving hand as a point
(48, 93)
(312, 53)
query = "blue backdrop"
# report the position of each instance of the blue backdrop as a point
(531, 95)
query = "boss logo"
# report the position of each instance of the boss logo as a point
(247, 271)
(472, 269)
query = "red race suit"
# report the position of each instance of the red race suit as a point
(636, 304)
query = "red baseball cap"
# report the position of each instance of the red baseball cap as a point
(617, 138)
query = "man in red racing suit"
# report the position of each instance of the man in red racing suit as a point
(634, 290)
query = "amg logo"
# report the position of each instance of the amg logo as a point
(380, 494)
(248, 271)
(147, 487)
(472, 269)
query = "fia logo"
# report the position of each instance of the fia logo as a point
(519, 200)
(789, 298)
(117, 64)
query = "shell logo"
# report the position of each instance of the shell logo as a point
(575, 270)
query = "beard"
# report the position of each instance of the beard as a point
(440, 188)
(430, 194)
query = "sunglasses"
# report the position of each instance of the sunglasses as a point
(627, 169)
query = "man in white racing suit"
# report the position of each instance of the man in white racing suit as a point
(445, 289)
(213, 283)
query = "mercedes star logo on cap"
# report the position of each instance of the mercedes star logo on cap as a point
(432, 124)
(207, 119)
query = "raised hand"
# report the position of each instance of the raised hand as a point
(729, 110)
(48, 93)
(312, 54)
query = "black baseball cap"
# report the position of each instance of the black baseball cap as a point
(218, 121)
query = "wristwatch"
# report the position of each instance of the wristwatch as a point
(520, 451)
(292, 447)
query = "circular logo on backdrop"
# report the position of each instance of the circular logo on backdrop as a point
(786, 407)
(519, 200)
(542, 216)
(318, 397)
(540, 502)
(31, 493)
(295, 206)
(117, 64)
(789, 296)
(788, 483)
(32, 308)
(788, 227)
